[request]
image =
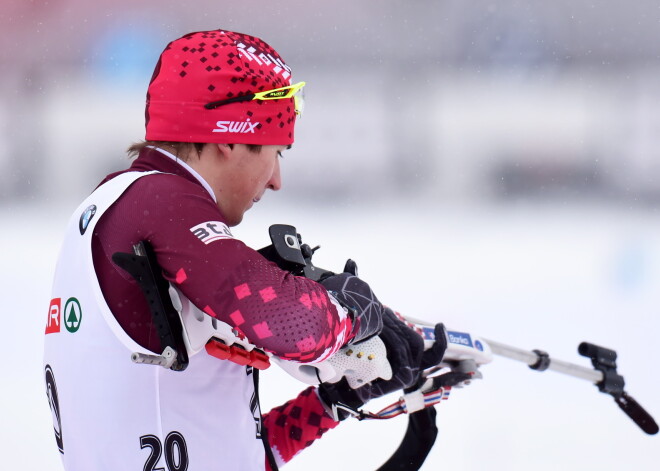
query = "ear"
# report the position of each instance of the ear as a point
(224, 151)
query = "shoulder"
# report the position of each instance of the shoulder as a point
(165, 209)
(159, 187)
(165, 179)
(159, 197)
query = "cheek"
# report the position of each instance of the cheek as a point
(266, 173)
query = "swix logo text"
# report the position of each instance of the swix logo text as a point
(239, 127)
(211, 231)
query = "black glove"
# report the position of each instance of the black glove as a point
(356, 296)
(434, 355)
(405, 352)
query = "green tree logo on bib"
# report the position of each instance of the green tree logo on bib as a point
(72, 315)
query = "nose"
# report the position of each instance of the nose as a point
(275, 182)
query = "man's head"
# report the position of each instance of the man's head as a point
(202, 87)
(224, 103)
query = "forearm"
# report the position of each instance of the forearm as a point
(288, 316)
(296, 424)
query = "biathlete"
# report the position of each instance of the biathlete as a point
(220, 109)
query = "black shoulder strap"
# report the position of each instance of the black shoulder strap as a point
(416, 444)
(144, 268)
(264, 432)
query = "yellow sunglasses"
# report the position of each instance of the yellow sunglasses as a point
(275, 94)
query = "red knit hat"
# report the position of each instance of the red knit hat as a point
(210, 66)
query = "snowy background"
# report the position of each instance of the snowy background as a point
(491, 166)
(531, 279)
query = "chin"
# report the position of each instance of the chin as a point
(235, 220)
(231, 216)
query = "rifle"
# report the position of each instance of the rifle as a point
(466, 352)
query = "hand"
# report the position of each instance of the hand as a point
(356, 296)
(434, 355)
(405, 352)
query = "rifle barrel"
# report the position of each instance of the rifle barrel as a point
(531, 358)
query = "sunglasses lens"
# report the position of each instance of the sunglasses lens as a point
(299, 100)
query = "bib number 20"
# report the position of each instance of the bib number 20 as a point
(176, 452)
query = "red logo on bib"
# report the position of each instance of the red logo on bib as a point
(53, 322)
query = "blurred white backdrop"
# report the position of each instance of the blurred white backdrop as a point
(491, 166)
